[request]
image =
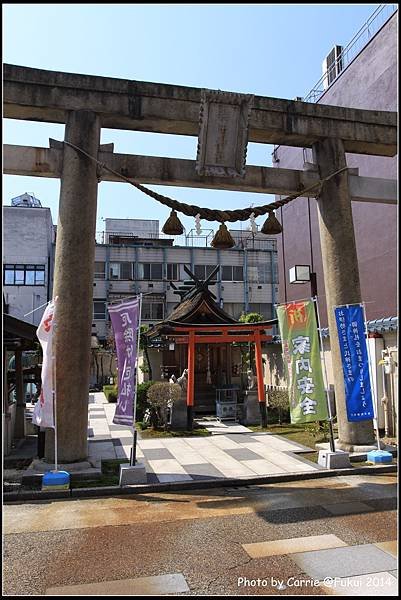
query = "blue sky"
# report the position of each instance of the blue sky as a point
(270, 50)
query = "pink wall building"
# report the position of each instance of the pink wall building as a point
(369, 81)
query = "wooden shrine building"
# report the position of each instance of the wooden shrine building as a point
(199, 336)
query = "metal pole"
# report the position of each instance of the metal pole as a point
(332, 444)
(54, 388)
(133, 450)
(374, 396)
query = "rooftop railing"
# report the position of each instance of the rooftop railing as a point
(243, 240)
(380, 16)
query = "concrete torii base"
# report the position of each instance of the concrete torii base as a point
(79, 470)
(356, 449)
(132, 475)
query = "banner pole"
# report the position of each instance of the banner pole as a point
(133, 449)
(374, 399)
(332, 444)
(55, 388)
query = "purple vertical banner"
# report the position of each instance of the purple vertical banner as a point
(125, 319)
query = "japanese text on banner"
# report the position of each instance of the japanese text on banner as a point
(43, 413)
(354, 355)
(298, 330)
(125, 321)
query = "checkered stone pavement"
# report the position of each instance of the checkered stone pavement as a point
(231, 450)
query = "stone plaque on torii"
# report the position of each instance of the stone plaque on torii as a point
(223, 133)
(87, 103)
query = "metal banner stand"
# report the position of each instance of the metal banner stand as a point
(332, 444)
(134, 439)
(54, 390)
(374, 395)
(54, 379)
(55, 479)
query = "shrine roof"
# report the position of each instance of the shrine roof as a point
(198, 309)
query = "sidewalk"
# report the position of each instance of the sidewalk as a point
(231, 450)
(317, 537)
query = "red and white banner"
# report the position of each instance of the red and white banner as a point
(43, 413)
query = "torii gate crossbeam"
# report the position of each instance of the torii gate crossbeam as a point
(87, 103)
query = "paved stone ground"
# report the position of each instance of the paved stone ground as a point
(231, 450)
(279, 539)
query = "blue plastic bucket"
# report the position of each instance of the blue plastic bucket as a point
(56, 480)
(379, 457)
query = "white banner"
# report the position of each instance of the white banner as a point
(43, 413)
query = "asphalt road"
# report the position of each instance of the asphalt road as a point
(199, 535)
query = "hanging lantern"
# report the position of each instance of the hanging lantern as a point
(222, 238)
(271, 226)
(173, 225)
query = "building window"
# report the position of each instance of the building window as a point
(173, 272)
(261, 273)
(152, 311)
(121, 270)
(230, 273)
(24, 275)
(203, 271)
(99, 270)
(151, 271)
(99, 310)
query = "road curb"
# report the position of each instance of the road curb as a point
(101, 492)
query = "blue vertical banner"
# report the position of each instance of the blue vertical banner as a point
(354, 353)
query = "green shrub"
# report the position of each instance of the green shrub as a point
(111, 392)
(141, 399)
(161, 397)
(319, 429)
(279, 400)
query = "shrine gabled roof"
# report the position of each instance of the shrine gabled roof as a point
(199, 309)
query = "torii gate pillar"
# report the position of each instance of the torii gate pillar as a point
(73, 284)
(341, 275)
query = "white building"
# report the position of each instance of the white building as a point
(132, 257)
(28, 251)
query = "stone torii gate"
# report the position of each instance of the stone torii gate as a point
(224, 123)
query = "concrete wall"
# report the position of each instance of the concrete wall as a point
(28, 237)
(369, 82)
(107, 366)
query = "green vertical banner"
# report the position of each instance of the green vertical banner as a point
(300, 340)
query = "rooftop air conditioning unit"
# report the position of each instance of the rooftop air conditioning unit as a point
(332, 66)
